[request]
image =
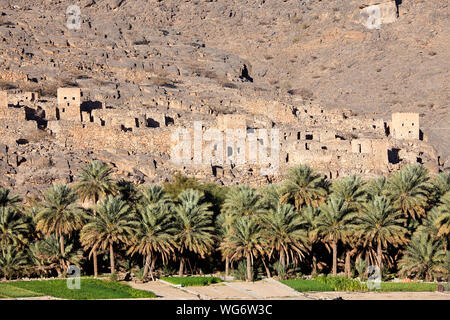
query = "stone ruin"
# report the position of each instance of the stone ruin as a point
(138, 141)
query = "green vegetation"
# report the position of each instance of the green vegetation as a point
(334, 283)
(89, 289)
(405, 286)
(307, 285)
(306, 224)
(11, 291)
(192, 281)
(341, 283)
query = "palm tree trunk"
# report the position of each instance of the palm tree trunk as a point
(61, 242)
(94, 253)
(334, 247)
(379, 253)
(227, 267)
(146, 266)
(282, 258)
(111, 258)
(314, 261)
(267, 269)
(249, 268)
(180, 271)
(347, 270)
(152, 266)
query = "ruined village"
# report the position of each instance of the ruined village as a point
(117, 91)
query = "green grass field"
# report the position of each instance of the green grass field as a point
(10, 291)
(307, 285)
(407, 286)
(89, 289)
(192, 281)
(314, 285)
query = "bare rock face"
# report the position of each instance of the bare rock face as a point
(143, 68)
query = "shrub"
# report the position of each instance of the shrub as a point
(342, 283)
(192, 281)
(307, 285)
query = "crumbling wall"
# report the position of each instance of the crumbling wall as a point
(3, 100)
(69, 103)
(405, 126)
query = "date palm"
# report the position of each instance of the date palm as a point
(6, 200)
(425, 257)
(95, 183)
(350, 189)
(13, 228)
(271, 196)
(224, 229)
(12, 262)
(443, 222)
(242, 201)
(409, 189)
(46, 255)
(154, 194)
(194, 226)
(333, 223)
(155, 235)
(59, 213)
(376, 187)
(303, 187)
(441, 185)
(284, 235)
(380, 224)
(309, 217)
(246, 241)
(112, 225)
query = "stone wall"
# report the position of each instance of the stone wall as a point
(405, 126)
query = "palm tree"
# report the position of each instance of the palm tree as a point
(8, 201)
(113, 224)
(283, 232)
(443, 222)
(193, 224)
(271, 196)
(155, 235)
(242, 201)
(128, 191)
(12, 262)
(304, 187)
(224, 229)
(59, 213)
(95, 183)
(154, 194)
(433, 224)
(376, 187)
(350, 189)
(13, 228)
(441, 185)
(425, 256)
(409, 189)
(46, 255)
(333, 223)
(380, 223)
(245, 241)
(309, 217)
